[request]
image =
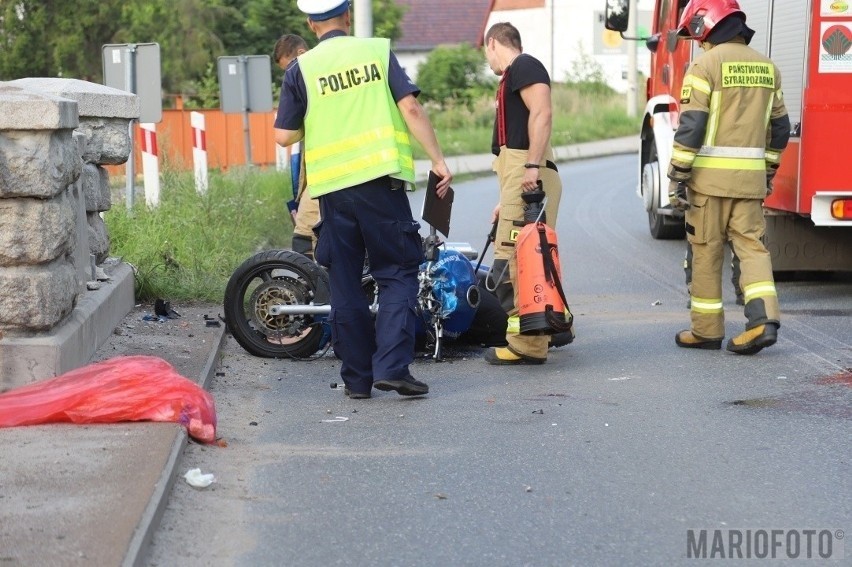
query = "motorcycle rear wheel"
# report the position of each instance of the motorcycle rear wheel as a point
(275, 277)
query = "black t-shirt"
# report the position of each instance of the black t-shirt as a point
(524, 71)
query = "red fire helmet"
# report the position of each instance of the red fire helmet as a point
(701, 16)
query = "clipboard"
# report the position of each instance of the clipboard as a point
(437, 211)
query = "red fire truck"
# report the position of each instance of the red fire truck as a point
(809, 214)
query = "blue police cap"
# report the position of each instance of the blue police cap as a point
(320, 10)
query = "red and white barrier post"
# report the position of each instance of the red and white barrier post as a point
(199, 150)
(150, 163)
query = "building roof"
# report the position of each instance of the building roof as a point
(430, 23)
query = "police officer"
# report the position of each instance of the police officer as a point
(355, 107)
(733, 128)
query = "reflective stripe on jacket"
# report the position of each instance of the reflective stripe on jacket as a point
(354, 131)
(733, 123)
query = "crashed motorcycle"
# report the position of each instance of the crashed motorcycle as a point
(277, 302)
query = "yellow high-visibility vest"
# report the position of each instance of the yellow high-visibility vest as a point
(354, 131)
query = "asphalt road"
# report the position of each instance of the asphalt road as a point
(606, 455)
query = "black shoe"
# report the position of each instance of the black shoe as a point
(355, 395)
(407, 386)
(754, 340)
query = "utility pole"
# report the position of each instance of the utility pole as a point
(632, 78)
(363, 18)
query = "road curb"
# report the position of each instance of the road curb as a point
(153, 514)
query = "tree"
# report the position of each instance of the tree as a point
(184, 31)
(23, 40)
(52, 38)
(454, 73)
(256, 25)
(78, 42)
(40, 39)
(387, 19)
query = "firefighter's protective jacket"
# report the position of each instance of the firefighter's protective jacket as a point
(733, 123)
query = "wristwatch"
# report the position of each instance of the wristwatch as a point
(532, 166)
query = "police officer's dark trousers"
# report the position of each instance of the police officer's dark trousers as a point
(372, 218)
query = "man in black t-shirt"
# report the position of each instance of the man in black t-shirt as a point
(521, 143)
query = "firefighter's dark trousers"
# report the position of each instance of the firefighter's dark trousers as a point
(710, 223)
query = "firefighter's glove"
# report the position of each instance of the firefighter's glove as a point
(677, 195)
(769, 178)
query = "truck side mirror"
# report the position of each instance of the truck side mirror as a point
(653, 42)
(671, 40)
(617, 15)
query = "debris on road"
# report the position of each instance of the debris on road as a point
(164, 309)
(196, 479)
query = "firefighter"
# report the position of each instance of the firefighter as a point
(733, 128)
(521, 142)
(735, 272)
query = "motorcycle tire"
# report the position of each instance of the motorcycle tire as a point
(276, 277)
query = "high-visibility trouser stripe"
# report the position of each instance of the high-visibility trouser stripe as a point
(769, 106)
(759, 289)
(697, 84)
(732, 152)
(730, 163)
(701, 305)
(319, 176)
(513, 325)
(365, 139)
(773, 157)
(713, 119)
(683, 156)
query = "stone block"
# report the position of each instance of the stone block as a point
(95, 182)
(35, 298)
(80, 255)
(92, 99)
(98, 237)
(37, 163)
(107, 140)
(35, 231)
(27, 357)
(23, 109)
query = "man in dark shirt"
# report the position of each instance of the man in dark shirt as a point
(521, 143)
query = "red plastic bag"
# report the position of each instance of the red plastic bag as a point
(124, 388)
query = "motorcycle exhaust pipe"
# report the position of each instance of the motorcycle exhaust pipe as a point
(472, 296)
(276, 310)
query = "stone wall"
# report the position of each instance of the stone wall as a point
(55, 137)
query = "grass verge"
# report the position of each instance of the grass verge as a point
(187, 247)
